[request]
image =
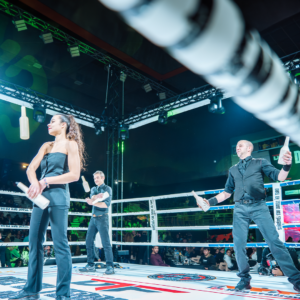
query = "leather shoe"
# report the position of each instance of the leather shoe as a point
(244, 284)
(62, 297)
(109, 270)
(24, 295)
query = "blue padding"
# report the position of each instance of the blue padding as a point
(213, 192)
(232, 245)
(292, 201)
(291, 226)
(229, 226)
(290, 183)
(222, 207)
(270, 203)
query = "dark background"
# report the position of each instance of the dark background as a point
(192, 152)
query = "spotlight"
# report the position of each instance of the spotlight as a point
(123, 76)
(47, 37)
(215, 106)
(123, 131)
(98, 129)
(147, 87)
(20, 24)
(100, 126)
(163, 117)
(39, 113)
(74, 50)
(162, 96)
(295, 75)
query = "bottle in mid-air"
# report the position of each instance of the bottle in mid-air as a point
(284, 150)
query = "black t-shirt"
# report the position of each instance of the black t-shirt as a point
(208, 261)
(220, 257)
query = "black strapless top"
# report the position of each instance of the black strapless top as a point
(54, 164)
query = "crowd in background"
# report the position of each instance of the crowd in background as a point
(214, 258)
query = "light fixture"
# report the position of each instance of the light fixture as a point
(147, 87)
(123, 131)
(116, 182)
(123, 76)
(74, 50)
(100, 126)
(163, 117)
(162, 95)
(24, 166)
(215, 106)
(39, 113)
(295, 75)
(20, 24)
(47, 37)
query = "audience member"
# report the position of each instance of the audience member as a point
(156, 259)
(231, 264)
(2, 253)
(207, 261)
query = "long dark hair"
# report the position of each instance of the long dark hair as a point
(74, 133)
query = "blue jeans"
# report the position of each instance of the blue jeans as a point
(58, 216)
(259, 213)
(100, 224)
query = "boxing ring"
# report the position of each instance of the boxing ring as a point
(134, 281)
(155, 213)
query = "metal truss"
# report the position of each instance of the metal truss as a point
(32, 97)
(60, 35)
(190, 97)
(291, 61)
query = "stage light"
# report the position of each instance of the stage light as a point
(20, 24)
(123, 76)
(74, 51)
(162, 96)
(123, 131)
(100, 126)
(47, 37)
(163, 117)
(39, 113)
(147, 87)
(295, 75)
(215, 106)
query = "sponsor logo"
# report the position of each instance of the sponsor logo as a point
(182, 277)
(264, 293)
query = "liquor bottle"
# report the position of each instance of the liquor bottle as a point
(85, 185)
(24, 124)
(40, 200)
(283, 151)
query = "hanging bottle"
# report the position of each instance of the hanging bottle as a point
(24, 124)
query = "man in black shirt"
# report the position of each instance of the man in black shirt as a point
(207, 261)
(246, 180)
(99, 222)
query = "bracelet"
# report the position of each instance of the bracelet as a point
(47, 184)
(213, 201)
(286, 168)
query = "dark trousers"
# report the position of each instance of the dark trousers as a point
(2, 256)
(259, 213)
(100, 224)
(58, 216)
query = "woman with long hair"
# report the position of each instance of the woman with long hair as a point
(60, 162)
